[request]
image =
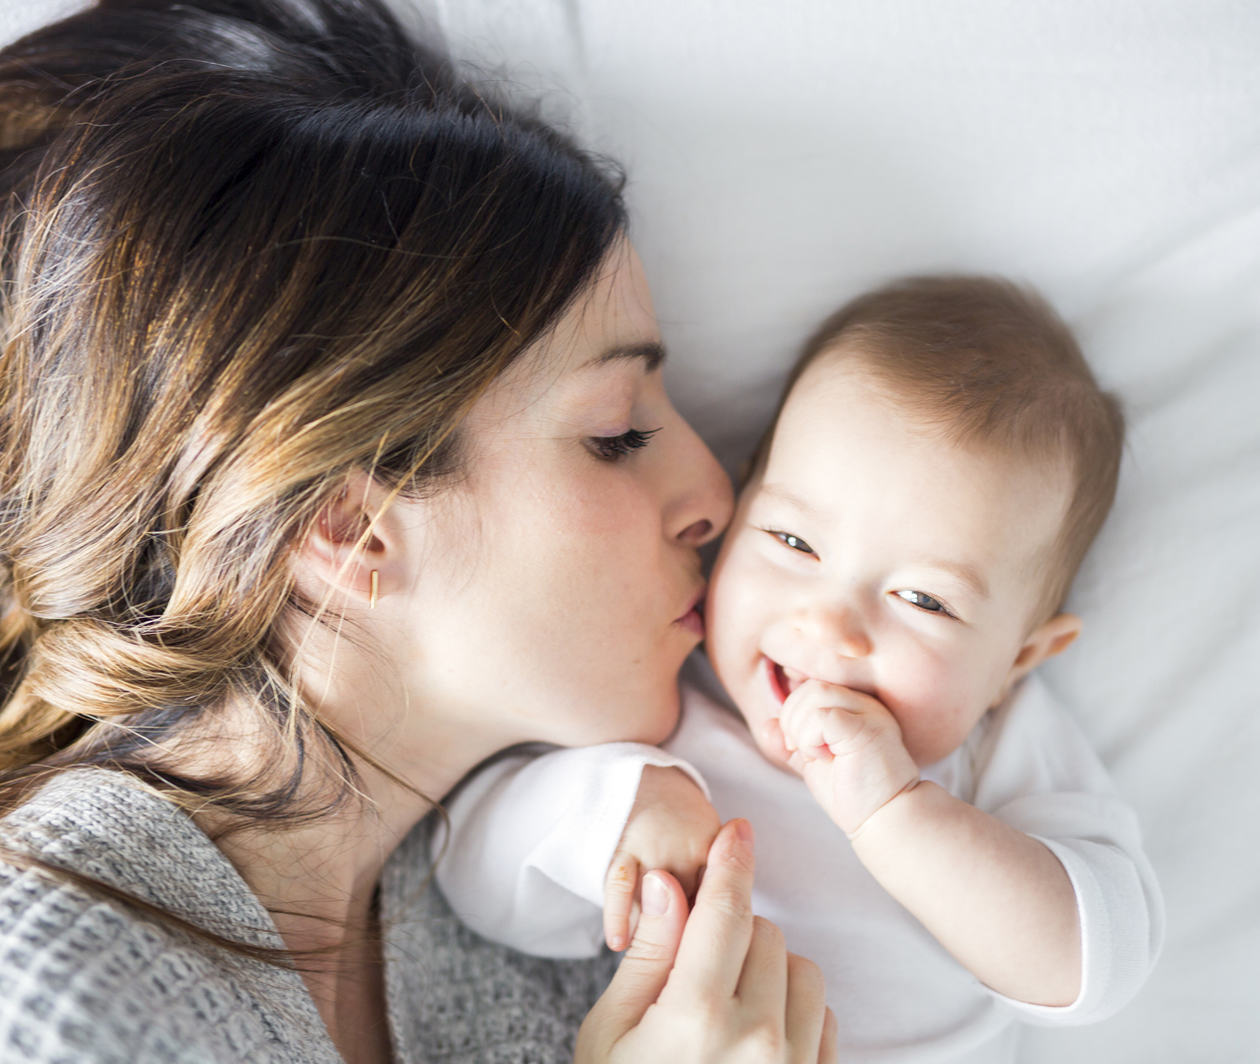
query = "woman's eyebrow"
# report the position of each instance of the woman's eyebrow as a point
(651, 351)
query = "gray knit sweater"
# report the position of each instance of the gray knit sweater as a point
(84, 979)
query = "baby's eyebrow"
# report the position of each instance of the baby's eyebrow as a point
(969, 575)
(781, 493)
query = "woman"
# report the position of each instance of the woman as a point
(336, 459)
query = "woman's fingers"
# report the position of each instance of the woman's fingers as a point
(716, 939)
(763, 984)
(716, 987)
(829, 1047)
(806, 1011)
(643, 971)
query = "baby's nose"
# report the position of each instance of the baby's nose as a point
(834, 629)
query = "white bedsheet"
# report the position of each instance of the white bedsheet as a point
(783, 156)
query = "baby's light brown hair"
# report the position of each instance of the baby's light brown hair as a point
(988, 363)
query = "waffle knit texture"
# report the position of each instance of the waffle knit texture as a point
(87, 979)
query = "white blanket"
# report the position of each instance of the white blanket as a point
(784, 156)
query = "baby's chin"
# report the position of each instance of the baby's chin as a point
(769, 739)
(925, 751)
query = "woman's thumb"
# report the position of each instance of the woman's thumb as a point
(645, 966)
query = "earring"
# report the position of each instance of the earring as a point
(376, 585)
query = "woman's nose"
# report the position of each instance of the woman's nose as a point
(700, 500)
(834, 629)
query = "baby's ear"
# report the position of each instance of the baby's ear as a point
(1045, 641)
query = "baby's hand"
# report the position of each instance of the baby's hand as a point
(848, 748)
(671, 827)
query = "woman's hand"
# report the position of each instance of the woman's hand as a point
(717, 988)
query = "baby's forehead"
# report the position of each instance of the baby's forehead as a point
(853, 371)
(843, 377)
(844, 441)
(840, 377)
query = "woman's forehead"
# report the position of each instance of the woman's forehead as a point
(610, 325)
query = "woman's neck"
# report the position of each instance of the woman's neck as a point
(320, 883)
(319, 878)
(317, 872)
(405, 759)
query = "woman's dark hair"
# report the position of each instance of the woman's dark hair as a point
(248, 247)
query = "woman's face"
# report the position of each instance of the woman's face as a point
(556, 584)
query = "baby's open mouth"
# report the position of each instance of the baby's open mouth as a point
(783, 680)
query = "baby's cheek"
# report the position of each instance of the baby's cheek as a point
(731, 616)
(933, 706)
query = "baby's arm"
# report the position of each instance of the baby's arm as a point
(670, 827)
(996, 898)
(533, 835)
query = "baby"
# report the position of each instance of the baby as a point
(932, 829)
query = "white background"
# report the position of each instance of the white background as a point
(783, 156)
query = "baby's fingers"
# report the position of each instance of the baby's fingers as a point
(620, 888)
(821, 720)
(804, 736)
(806, 728)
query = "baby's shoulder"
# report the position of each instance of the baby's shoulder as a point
(1031, 749)
(1032, 719)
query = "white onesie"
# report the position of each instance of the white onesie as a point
(533, 836)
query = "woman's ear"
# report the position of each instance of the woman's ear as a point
(1045, 641)
(351, 539)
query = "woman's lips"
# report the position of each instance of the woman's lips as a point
(692, 622)
(691, 619)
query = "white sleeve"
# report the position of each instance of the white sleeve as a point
(530, 839)
(1038, 773)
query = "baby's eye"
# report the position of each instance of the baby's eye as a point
(795, 542)
(924, 601)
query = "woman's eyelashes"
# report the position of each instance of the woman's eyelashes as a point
(614, 448)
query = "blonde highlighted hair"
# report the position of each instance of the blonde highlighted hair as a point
(247, 248)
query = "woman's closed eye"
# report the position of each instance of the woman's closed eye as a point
(614, 448)
(925, 602)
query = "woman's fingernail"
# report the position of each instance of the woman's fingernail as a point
(744, 832)
(655, 895)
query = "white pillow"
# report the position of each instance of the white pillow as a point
(783, 157)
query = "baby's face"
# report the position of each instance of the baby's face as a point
(870, 554)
